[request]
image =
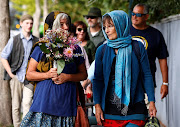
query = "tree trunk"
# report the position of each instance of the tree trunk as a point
(45, 10)
(5, 95)
(36, 19)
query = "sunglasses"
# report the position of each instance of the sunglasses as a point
(91, 17)
(80, 29)
(137, 14)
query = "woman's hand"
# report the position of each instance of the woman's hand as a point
(152, 109)
(86, 83)
(99, 114)
(52, 73)
(62, 78)
(89, 90)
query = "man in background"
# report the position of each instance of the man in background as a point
(14, 58)
(153, 41)
(93, 19)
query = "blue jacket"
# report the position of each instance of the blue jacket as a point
(103, 70)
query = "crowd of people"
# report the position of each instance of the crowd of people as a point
(117, 68)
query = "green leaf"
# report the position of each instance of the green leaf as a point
(60, 65)
(53, 45)
(57, 52)
(44, 48)
(58, 40)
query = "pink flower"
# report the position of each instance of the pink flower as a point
(72, 40)
(72, 46)
(68, 52)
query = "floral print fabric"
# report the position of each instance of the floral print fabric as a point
(36, 119)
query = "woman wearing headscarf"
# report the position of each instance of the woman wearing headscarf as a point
(54, 102)
(118, 86)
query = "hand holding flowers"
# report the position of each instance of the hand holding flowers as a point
(61, 78)
(60, 46)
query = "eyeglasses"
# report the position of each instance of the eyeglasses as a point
(109, 26)
(137, 14)
(91, 17)
(80, 29)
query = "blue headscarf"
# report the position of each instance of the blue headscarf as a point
(123, 58)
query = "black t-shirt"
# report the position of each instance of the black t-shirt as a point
(154, 43)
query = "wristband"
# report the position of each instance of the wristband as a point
(165, 83)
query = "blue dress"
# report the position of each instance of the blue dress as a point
(51, 99)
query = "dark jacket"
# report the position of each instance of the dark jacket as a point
(103, 69)
(99, 37)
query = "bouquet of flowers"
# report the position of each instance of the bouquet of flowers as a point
(59, 45)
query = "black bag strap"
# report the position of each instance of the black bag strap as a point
(136, 49)
(103, 50)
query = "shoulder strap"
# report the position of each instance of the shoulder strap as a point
(136, 49)
(103, 50)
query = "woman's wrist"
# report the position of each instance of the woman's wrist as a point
(97, 106)
(88, 86)
(152, 103)
(65, 77)
(47, 75)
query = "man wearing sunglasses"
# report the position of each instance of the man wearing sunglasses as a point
(93, 19)
(153, 41)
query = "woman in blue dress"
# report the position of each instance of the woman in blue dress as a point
(54, 102)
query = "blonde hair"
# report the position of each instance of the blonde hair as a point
(26, 17)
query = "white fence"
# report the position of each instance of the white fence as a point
(169, 108)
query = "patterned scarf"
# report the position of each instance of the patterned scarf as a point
(123, 57)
